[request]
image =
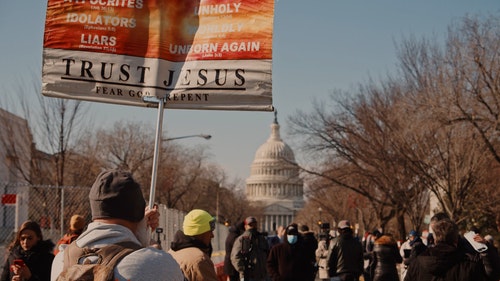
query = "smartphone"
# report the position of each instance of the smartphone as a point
(19, 262)
(480, 247)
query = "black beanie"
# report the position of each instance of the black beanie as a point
(115, 194)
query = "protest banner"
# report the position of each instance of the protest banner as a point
(210, 54)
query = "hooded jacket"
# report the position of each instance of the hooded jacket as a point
(144, 264)
(445, 262)
(38, 259)
(193, 257)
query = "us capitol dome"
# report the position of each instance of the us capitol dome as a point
(274, 182)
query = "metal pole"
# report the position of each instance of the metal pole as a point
(62, 211)
(217, 218)
(159, 126)
(207, 137)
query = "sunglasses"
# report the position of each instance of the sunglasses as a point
(212, 225)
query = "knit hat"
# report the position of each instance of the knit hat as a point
(115, 194)
(198, 222)
(76, 222)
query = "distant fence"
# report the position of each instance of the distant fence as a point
(52, 207)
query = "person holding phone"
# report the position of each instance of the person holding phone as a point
(448, 260)
(29, 256)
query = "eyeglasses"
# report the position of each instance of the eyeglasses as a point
(212, 225)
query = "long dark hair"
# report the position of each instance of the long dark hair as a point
(30, 225)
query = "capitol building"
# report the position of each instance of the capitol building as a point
(274, 182)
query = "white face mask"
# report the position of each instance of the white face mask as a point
(143, 233)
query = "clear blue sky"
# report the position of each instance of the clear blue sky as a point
(318, 46)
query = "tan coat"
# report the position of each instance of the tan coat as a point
(196, 265)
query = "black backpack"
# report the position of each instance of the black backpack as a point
(102, 270)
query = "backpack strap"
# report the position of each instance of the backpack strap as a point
(107, 258)
(111, 255)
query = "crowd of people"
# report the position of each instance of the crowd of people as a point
(117, 245)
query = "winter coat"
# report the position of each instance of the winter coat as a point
(287, 262)
(143, 264)
(445, 262)
(234, 232)
(385, 257)
(417, 247)
(253, 264)
(346, 256)
(193, 257)
(322, 254)
(65, 241)
(38, 259)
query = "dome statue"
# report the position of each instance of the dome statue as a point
(274, 181)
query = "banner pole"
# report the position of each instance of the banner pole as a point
(158, 141)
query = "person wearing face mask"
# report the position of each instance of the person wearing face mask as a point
(287, 261)
(119, 214)
(29, 256)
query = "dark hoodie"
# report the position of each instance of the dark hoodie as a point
(445, 262)
(38, 259)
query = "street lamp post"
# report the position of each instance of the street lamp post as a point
(207, 137)
(319, 221)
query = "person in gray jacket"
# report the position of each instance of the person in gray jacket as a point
(249, 253)
(118, 215)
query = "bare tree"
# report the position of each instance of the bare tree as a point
(60, 123)
(456, 90)
(465, 73)
(361, 148)
(127, 146)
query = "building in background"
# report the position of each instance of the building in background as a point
(16, 144)
(274, 182)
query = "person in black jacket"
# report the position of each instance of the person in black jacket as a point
(311, 244)
(448, 261)
(234, 231)
(385, 258)
(287, 261)
(346, 259)
(33, 255)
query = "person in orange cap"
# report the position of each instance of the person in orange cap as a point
(76, 226)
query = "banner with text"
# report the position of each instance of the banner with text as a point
(208, 54)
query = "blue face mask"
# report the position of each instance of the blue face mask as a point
(292, 239)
